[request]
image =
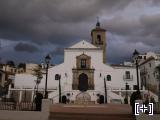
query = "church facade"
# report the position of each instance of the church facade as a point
(85, 75)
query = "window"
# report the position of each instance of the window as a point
(144, 57)
(154, 74)
(145, 83)
(140, 57)
(150, 65)
(57, 77)
(127, 87)
(135, 87)
(108, 77)
(12, 85)
(83, 63)
(128, 75)
(99, 39)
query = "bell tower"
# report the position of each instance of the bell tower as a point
(98, 35)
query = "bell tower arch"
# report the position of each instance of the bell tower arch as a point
(98, 36)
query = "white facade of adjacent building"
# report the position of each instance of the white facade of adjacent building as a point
(2, 78)
(148, 71)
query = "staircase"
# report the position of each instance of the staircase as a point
(113, 95)
(55, 96)
(91, 112)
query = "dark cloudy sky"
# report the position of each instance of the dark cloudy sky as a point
(30, 29)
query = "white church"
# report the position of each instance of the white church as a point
(85, 76)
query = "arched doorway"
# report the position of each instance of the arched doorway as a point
(64, 99)
(101, 99)
(83, 82)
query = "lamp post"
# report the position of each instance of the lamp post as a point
(126, 96)
(135, 55)
(105, 90)
(60, 89)
(58, 77)
(47, 60)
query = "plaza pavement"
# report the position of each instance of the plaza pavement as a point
(78, 112)
(91, 112)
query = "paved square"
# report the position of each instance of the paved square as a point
(91, 112)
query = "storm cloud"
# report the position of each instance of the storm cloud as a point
(43, 21)
(64, 22)
(25, 47)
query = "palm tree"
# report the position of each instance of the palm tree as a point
(157, 71)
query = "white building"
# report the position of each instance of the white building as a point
(148, 71)
(84, 73)
(8, 68)
(2, 78)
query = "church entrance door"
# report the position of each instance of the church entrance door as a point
(83, 82)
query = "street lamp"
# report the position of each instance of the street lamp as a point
(47, 60)
(135, 55)
(58, 77)
(126, 96)
(105, 90)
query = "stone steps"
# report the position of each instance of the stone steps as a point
(83, 116)
(84, 102)
(91, 112)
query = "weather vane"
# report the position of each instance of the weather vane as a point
(97, 19)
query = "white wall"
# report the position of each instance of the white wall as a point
(24, 81)
(65, 70)
(28, 81)
(150, 78)
(2, 79)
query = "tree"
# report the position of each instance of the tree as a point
(22, 65)
(38, 73)
(11, 63)
(157, 71)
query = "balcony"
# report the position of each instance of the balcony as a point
(127, 77)
(143, 72)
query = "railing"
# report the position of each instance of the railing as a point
(127, 78)
(17, 106)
